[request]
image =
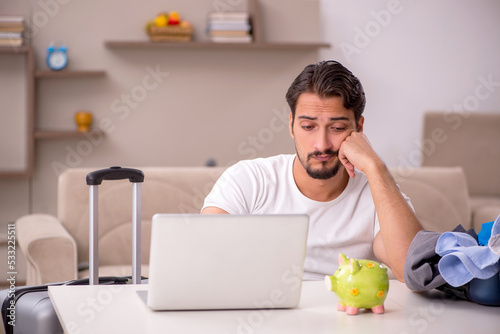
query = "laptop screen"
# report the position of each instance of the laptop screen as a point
(226, 261)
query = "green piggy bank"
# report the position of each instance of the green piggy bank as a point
(359, 284)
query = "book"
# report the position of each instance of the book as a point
(231, 39)
(11, 19)
(12, 29)
(11, 42)
(228, 33)
(229, 16)
(10, 22)
(229, 26)
(4, 34)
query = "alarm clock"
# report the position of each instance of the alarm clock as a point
(57, 58)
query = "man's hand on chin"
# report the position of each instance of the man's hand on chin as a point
(357, 152)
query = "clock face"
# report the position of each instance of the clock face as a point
(57, 60)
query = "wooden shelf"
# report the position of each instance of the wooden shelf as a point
(14, 174)
(257, 32)
(15, 49)
(60, 134)
(212, 45)
(68, 74)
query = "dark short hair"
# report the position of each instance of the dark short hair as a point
(328, 78)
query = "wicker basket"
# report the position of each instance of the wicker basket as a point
(170, 34)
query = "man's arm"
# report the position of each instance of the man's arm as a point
(398, 223)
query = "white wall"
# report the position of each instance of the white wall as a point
(416, 56)
(428, 55)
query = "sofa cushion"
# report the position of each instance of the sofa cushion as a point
(115, 247)
(165, 190)
(469, 140)
(439, 196)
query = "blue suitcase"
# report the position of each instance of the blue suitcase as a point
(29, 310)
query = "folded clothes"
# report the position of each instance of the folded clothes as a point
(450, 242)
(460, 267)
(421, 272)
(462, 259)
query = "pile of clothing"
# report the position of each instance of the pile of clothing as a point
(459, 262)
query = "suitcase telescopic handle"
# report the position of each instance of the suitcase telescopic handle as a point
(94, 179)
(114, 173)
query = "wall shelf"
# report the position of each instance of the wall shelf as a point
(64, 74)
(257, 32)
(67, 74)
(33, 133)
(61, 134)
(15, 49)
(212, 45)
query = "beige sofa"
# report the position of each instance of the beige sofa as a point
(470, 140)
(56, 246)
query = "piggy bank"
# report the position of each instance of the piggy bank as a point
(359, 284)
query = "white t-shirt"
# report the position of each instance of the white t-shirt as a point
(348, 224)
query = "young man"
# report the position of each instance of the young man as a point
(335, 177)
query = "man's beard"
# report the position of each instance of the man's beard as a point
(323, 173)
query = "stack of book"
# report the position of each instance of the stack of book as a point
(11, 30)
(229, 27)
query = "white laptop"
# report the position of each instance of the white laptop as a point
(201, 262)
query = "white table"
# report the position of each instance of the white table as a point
(119, 309)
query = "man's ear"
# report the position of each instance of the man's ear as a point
(290, 125)
(361, 121)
